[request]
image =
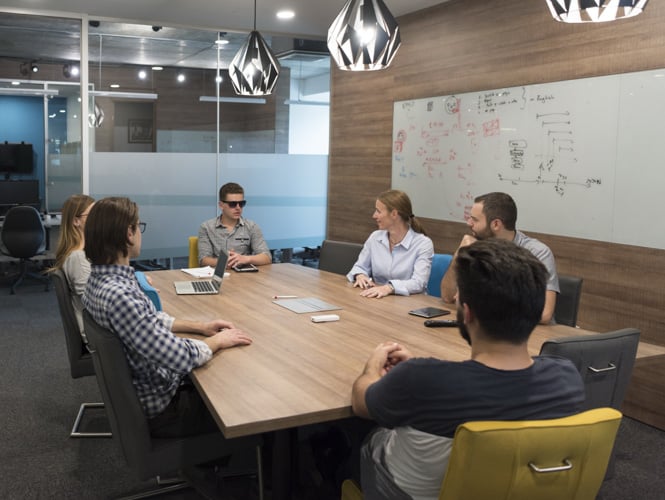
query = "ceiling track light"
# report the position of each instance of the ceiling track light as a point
(594, 11)
(364, 36)
(254, 69)
(69, 70)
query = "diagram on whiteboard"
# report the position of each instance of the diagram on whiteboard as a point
(542, 144)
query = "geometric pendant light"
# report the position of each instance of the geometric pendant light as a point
(254, 69)
(594, 11)
(96, 118)
(364, 36)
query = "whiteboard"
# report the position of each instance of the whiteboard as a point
(582, 158)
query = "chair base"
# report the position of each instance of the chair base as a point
(164, 487)
(25, 273)
(75, 429)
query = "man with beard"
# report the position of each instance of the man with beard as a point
(493, 215)
(419, 402)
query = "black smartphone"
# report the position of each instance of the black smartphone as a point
(429, 312)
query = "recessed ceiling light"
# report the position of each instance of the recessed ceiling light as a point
(16, 83)
(142, 74)
(221, 41)
(157, 68)
(286, 14)
(115, 85)
(180, 77)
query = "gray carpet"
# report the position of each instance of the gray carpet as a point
(40, 400)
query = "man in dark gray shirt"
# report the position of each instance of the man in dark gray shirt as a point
(240, 238)
(419, 402)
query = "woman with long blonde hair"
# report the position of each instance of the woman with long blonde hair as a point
(70, 256)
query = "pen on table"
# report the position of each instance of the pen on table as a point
(285, 297)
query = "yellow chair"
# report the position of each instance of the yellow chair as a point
(193, 251)
(523, 460)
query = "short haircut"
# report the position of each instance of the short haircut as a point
(504, 286)
(106, 229)
(499, 206)
(230, 188)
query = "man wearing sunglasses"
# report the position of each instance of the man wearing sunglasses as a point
(240, 238)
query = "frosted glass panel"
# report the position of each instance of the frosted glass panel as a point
(287, 194)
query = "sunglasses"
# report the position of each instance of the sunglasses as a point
(234, 204)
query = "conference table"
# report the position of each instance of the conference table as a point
(297, 372)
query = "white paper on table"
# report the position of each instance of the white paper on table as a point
(200, 272)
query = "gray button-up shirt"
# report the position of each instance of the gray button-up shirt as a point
(246, 238)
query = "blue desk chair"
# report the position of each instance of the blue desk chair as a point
(440, 264)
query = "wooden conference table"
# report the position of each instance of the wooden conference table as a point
(298, 372)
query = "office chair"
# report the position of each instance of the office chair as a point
(80, 360)
(522, 460)
(193, 252)
(338, 256)
(568, 301)
(605, 361)
(148, 456)
(23, 235)
(440, 264)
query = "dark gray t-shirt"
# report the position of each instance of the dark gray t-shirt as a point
(436, 396)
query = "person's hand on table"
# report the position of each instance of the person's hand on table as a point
(363, 281)
(378, 291)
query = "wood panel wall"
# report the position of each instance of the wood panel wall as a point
(471, 45)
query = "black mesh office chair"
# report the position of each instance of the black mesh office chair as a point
(605, 361)
(23, 235)
(338, 256)
(568, 301)
(147, 456)
(80, 360)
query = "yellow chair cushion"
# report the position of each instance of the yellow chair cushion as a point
(491, 459)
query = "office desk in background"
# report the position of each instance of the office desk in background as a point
(298, 372)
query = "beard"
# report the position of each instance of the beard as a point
(484, 234)
(464, 333)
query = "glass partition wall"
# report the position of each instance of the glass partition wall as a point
(40, 103)
(166, 129)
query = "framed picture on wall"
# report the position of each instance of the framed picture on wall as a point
(139, 130)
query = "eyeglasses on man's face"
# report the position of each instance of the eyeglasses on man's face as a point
(142, 226)
(234, 204)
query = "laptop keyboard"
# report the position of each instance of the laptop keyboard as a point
(203, 286)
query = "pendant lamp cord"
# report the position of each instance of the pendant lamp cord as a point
(254, 15)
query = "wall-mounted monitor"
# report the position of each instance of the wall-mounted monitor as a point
(16, 158)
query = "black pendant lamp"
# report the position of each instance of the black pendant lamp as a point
(594, 11)
(254, 69)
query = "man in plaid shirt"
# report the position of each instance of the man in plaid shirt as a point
(159, 360)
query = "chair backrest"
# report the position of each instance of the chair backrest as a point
(23, 232)
(440, 264)
(128, 422)
(338, 256)
(568, 301)
(80, 361)
(193, 251)
(604, 360)
(524, 460)
(145, 455)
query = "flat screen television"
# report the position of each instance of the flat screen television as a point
(16, 158)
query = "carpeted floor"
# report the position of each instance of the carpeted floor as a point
(39, 403)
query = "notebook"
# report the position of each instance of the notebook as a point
(204, 287)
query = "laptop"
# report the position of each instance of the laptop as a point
(204, 287)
